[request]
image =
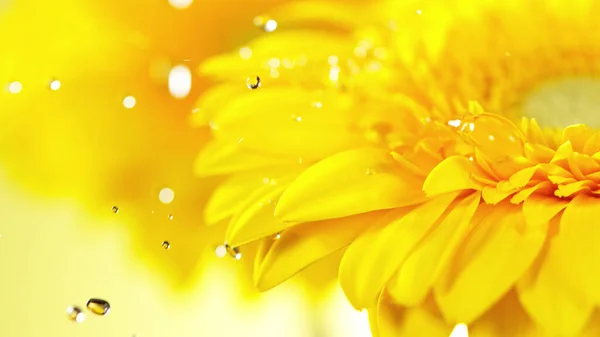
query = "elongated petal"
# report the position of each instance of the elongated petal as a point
(494, 256)
(255, 219)
(416, 276)
(580, 236)
(550, 296)
(235, 190)
(396, 321)
(300, 246)
(373, 258)
(351, 182)
(223, 157)
(452, 174)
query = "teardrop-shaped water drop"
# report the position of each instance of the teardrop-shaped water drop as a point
(98, 306)
(75, 314)
(166, 244)
(253, 83)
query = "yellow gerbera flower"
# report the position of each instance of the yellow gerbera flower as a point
(450, 146)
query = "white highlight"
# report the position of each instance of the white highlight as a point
(166, 195)
(180, 81)
(460, 330)
(15, 87)
(129, 102)
(180, 4)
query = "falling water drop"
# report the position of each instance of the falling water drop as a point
(233, 251)
(75, 314)
(166, 244)
(253, 84)
(98, 306)
(115, 209)
(170, 216)
(277, 236)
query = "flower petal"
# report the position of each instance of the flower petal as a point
(301, 245)
(550, 296)
(491, 259)
(351, 182)
(255, 219)
(417, 274)
(236, 189)
(452, 174)
(580, 236)
(223, 157)
(375, 256)
(396, 321)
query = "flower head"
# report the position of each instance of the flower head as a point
(450, 146)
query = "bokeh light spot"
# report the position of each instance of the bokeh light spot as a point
(15, 87)
(129, 102)
(180, 81)
(180, 4)
(166, 195)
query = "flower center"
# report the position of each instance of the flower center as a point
(565, 102)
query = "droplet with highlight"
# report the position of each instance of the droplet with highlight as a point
(233, 252)
(277, 236)
(115, 209)
(15, 87)
(170, 216)
(75, 314)
(55, 85)
(253, 83)
(265, 23)
(221, 251)
(166, 244)
(460, 330)
(180, 81)
(129, 102)
(180, 4)
(98, 306)
(166, 195)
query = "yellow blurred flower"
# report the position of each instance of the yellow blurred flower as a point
(438, 140)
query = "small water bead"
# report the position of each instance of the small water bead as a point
(129, 102)
(170, 216)
(370, 172)
(277, 236)
(495, 136)
(221, 251)
(265, 23)
(233, 251)
(166, 195)
(55, 85)
(75, 314)
(115, 209)
(166, 244)
(253, 83)
(98, 306)
(15, 87)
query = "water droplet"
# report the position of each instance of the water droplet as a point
(245, 53)
(55, 85)
(240, 140)
(15, 87)
(170, 216)
(129, 102)
(233, 251)
(253, 84)
(221, 251)
(98, 306)
(277, 236)
(370, 172)
(166, 195)
(265, 23)
(460, 330)
(166, 244)
(75, 314)
(115, 209)
(180, 81)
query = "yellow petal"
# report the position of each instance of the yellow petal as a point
(235, 190)
(396, 321)
(452, 174)
(222, 157)
(492, 195)
(284, 120)
(543, 187)
(255, 218)
(580, 236)
(550, 296)
(416, 276)
(301, 245)
(211, 101)
(491, 259)
(375, 256)
(577, 135)
(351, 182)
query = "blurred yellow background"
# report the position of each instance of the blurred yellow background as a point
(67, 156)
